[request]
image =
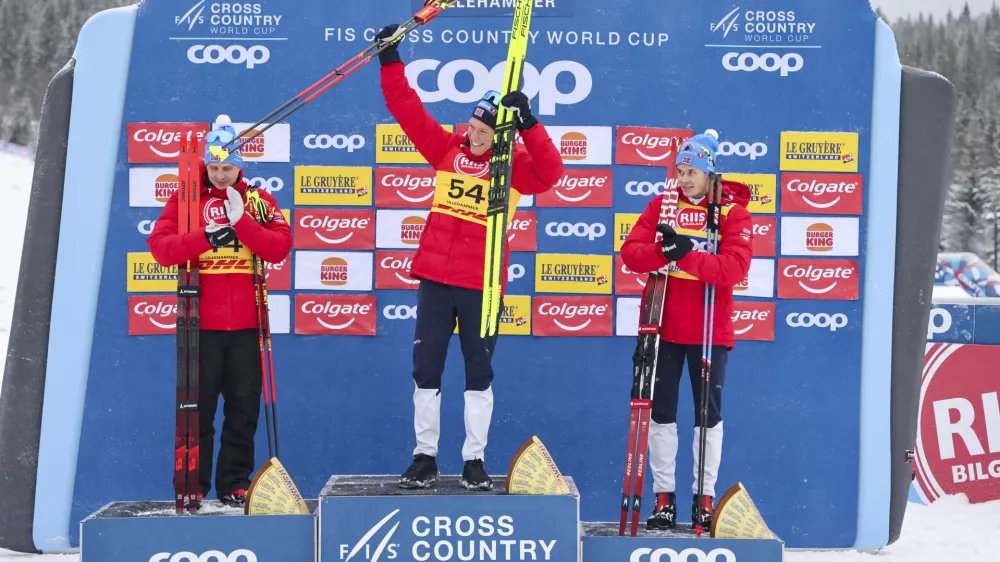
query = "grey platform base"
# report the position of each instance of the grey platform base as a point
(387, 485)
(610, 529)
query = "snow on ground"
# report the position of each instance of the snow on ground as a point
(949, 529)
(15, 187)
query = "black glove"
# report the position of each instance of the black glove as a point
(674, 246)
(518, 102)
(219, 236)
(391, 53)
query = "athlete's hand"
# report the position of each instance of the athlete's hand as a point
(674, 246)
(518, 102)
(391, 52)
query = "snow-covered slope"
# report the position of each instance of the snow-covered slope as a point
(15, 189)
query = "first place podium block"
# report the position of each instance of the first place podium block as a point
(371, 519)
(152, 532)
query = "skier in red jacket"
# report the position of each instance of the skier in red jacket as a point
(682, 329)
(242, 221)
(450, 259)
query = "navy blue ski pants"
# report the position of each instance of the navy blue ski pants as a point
(438, 307)
(670, 366)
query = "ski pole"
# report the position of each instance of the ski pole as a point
(430, 10)
(270, 356)
(712, 225)
(263, 363)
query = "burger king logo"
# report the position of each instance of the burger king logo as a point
(333, 272)
(573, 146)
(411, 229)
(164, 186)
(254, 148)
(819, 237)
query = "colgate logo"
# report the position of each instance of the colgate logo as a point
(343, 229)
(522, 232)
(152, 310)
(335, 314)
(645, 146)
(152, 315)
(822, 193)
(628, 282)
(765, 240)
(402, 188)
(394, 270)
(818, 279)
(154, 143)
(572, 316)
(278, 275)
(579, 188)
(753, 321)
(463, 165)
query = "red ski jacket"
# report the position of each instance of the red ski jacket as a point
(453, 244)
(684, 306)
(228, 300)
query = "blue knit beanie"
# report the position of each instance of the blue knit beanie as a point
(699, 151)
(216, 141)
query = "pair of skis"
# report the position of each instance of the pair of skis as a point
(644, 363)
(186, 438)
(501, 169)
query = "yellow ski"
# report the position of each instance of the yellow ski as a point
(500, 171)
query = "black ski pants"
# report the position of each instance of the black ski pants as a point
(230, 366)
(670, 366)
(438, 306)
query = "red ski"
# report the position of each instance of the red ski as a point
(644, 378)
(186, 441)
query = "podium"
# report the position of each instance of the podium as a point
(600, 543)
(152, 532)
(370, 518)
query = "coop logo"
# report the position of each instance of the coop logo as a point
(647, 188)
(153, 143)
(151, 315)
(573, 316)
(645, 146)
(399, 312)
(786, 64)
(541, 83)
(339, 142)
(832, 322)
(230, 18)
(404, 187)
(335, 315)
(818, 279)
(686, 555)
(939, 322)
(270, 185)
(146, 227)
(579, 188)
(579, 230)
(250, 57)
(241, 555)
(743, 149)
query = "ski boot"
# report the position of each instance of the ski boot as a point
(236, 498)
(706, 512)
(421, 474)
(665, 514)
(474, 476)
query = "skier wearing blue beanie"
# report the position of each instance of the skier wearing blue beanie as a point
(692, 265)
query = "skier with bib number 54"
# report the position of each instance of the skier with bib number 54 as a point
(682, 327)
(450, 259)
(242, 221)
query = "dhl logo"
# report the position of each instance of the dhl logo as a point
(207, 265)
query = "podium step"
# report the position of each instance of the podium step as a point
(610, 529)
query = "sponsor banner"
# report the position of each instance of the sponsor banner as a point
(503, 8)
(573, 273)
(570, 231)
(404, 188)
(151, 187)
(765, 236)
(333, 271)
(819, 152)
(825, 321)
(522, 232)
(627, 316)
(753, 320)
(520, 273)
(583, 145)
(392, 146)
(952, 323)
(279, 275)
(628, 282)
(348, 143)
(279, 309)
(342, 229)
(272, 146)
(822, 194)
(572, 316)
(801, 278)
(580, 187)
(160, 143)
(152, 315)
(705, 549)
(958, 428)
(515, 318)
(759, 281)
(333, 185)
(763, 189)
(392, 270)
(647, 146)
(399, 229)
(623, 227)
(147, 276)
(343, 315)
(827, 236)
